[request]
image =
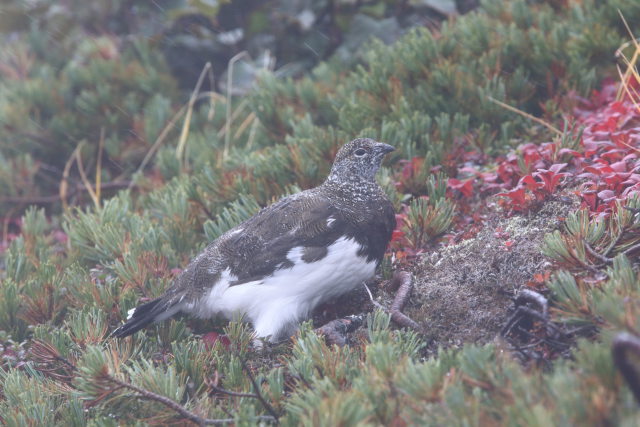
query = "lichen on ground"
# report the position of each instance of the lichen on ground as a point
(463, 293)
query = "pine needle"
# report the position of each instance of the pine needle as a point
(252, 134)
(527, 115)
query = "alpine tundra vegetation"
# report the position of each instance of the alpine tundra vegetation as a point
(134, 134)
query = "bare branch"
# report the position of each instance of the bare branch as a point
(631, 249)
(231, 393)
(258, 393)
(595, 254)
(43, 200)
(184, 412)
(402, 296)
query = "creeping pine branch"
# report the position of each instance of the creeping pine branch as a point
(601, 257)
(184, 412)
(623, 344)
(604, 258)
(258, 394)
(51, 363)
(213, 385)
(402, 281)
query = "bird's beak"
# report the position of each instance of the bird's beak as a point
(384, 148)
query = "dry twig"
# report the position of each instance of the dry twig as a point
(51, 363)
(44, 200)
(603, 258)
(184, 412)
(258, 393)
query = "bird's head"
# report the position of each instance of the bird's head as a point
(361, 157)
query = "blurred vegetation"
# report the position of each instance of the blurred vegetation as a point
(426, 95)
(95, 89)
(117, 67)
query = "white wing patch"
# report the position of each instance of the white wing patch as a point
(330, 221)
(130, 313)
(295, 254)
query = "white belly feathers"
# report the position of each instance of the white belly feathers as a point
(276, 303)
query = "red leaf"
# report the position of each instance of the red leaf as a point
(465, 187)
(589, 199)
(530, 183)
(631, 191)
(557, 167)
(517, 196)
(598, 169)
(397, 235)
(211, 338)
(613, 154)
(507, 172)
(606, 195)
(549, 178)
(609, 125)
(632, 179)
(619, 166)
(574, 153)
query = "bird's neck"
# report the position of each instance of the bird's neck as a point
(354, 186)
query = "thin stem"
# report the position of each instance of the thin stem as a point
(232, 393)
(258, 394)
(184, 412)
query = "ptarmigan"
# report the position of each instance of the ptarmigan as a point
(276, 267)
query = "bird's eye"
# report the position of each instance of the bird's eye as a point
(360, 152)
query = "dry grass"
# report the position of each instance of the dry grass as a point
(631, 71)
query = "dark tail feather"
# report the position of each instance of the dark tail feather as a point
(142, 316)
